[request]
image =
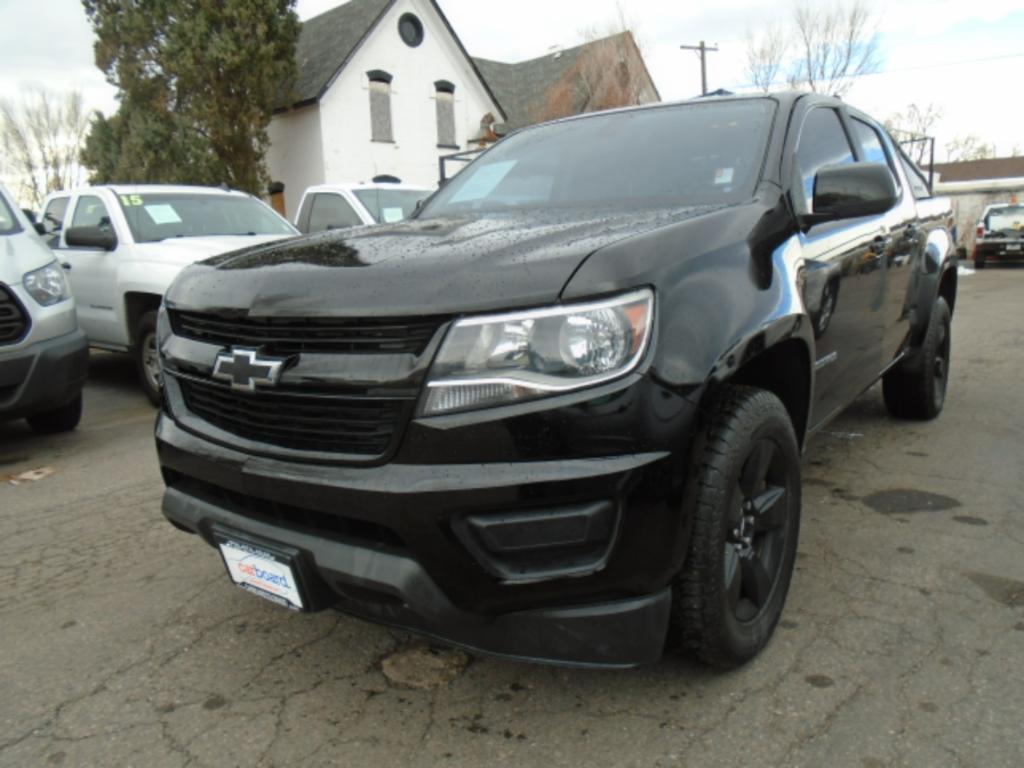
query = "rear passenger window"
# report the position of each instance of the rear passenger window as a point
(822, 142)
(331, 211)
(91, 212)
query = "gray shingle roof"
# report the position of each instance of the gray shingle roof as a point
(521, 88)
(326, 43)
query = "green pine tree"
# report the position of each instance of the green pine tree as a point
(197, 82)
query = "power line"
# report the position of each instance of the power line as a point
(702, 51)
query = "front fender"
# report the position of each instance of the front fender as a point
(724, 297)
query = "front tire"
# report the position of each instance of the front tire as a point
(918, 390)
(62, 419)
(744, 499)
(147, 358)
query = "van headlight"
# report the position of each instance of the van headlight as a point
(500, 359)
(47, 285)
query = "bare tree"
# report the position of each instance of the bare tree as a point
(969, 147)
(835, 45)
(765, 54)
(42, 137)
(911, 125)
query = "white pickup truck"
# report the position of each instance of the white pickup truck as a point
(121, 246)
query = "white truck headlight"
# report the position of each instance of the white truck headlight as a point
(507, 358)
(47, 285)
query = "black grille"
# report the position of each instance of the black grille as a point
(295, 335)
(13, 321)
(355, 425)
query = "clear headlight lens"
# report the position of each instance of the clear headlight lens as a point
(47, 285)
(500, 359)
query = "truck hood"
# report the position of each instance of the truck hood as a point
(188, 250)
(20, 253)
(419, 267)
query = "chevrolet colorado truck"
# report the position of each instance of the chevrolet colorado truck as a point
(122, 245)
(558, 414)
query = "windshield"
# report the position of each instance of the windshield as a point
(154, 217)
(1005, 217)
(8, 224)
(388, 205)
(702, 153)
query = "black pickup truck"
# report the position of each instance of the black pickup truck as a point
(559, 414)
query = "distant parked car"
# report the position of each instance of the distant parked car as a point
(122, 245)
(1000, 235)
(337, 206)
(43, 354)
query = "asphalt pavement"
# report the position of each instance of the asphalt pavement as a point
(122, 641)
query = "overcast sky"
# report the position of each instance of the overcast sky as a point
(965, 56)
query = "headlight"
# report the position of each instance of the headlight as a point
(47, 285)
(499, 359)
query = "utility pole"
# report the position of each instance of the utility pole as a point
(702, 51)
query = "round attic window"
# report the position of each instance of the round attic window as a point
(411, 30)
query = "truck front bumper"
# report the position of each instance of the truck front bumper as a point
(390, 543)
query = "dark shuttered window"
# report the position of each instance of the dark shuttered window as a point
(445, 99)
(380, 105)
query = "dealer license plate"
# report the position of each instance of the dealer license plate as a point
(1013, 247)
(269, 574)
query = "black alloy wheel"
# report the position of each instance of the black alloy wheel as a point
(756, 539)
(743, 494)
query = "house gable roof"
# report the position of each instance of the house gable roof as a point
(523, 87)
(327, 42)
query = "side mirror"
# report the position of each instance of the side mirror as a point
(852, 190)
(40, 229)
(91, 237)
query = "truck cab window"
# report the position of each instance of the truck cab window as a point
(822, 142)
(91, 212)
(331, 211)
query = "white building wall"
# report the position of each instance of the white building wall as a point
(349, 154)
(295, 155)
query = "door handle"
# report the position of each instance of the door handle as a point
(66, 265)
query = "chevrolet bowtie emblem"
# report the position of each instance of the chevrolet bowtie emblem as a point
(244, 369)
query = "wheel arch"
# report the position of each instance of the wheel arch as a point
(136, 304)
(783, 368)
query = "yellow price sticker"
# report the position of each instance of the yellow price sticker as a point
(131, 200)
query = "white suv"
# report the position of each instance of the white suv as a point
(337, 206)
(43, 354)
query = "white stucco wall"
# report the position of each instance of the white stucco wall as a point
(349, 155)
(295, 156)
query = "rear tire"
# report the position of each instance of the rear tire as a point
(744, 499)
(147, 361)
(917, 390)
(62, 419)
(979, 262)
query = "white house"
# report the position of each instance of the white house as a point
(384, 87)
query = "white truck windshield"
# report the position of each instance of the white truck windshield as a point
(154, 217)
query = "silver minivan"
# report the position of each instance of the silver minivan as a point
(43, 354)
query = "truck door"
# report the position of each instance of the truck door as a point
(843, 286)
(92, 274)
(902, 239)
